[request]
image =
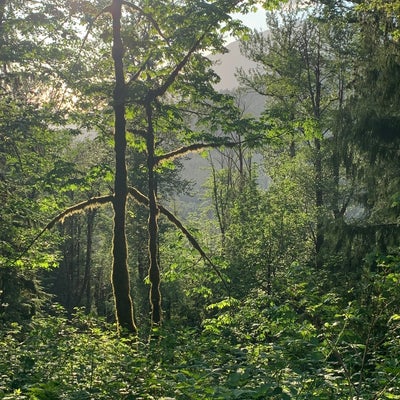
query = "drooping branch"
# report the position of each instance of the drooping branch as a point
(142, 199)
(90, 204)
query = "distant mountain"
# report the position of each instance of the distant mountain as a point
(227, 64)
(196, 168)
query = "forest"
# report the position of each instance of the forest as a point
(123, 277)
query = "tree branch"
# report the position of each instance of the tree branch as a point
(89, 204)
(91, 24)
(149, 17)
(191, 148)
(139, 71)
(172, 76)
(141, 198)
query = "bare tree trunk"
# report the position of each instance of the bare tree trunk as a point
(120, 274)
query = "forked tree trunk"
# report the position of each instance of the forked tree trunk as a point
(120, 274)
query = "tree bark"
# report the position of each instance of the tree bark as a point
(120, 274)
(319, 202)
(154, 269)
(86, 284)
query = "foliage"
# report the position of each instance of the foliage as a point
(33, 170)
(304, 341)
(256, 317)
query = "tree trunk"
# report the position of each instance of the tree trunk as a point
(86, 285)
(88, 266)
(319, 202)
(154, 269)
(120, 274)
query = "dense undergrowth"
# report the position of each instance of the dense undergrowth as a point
(295, 344)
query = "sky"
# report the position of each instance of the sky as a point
(252, 20)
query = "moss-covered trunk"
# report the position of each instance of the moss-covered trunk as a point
(120, 275)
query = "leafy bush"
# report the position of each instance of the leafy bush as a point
(298, 343)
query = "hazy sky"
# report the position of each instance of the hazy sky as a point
(252, 20)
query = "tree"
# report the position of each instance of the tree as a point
(365, 131)
(30, 146)
(152, 89)
(304, 79)
(167, 68)
(84, 172)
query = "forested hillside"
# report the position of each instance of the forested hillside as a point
(120, 279)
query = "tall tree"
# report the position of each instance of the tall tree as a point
(30, 146)
(156, 71)
(159, 68)
(303, 87)
(373, 113)
(120, 274)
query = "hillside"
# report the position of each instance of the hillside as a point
(197, 168)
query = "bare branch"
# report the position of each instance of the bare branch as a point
(141, 198)
(138, 196)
